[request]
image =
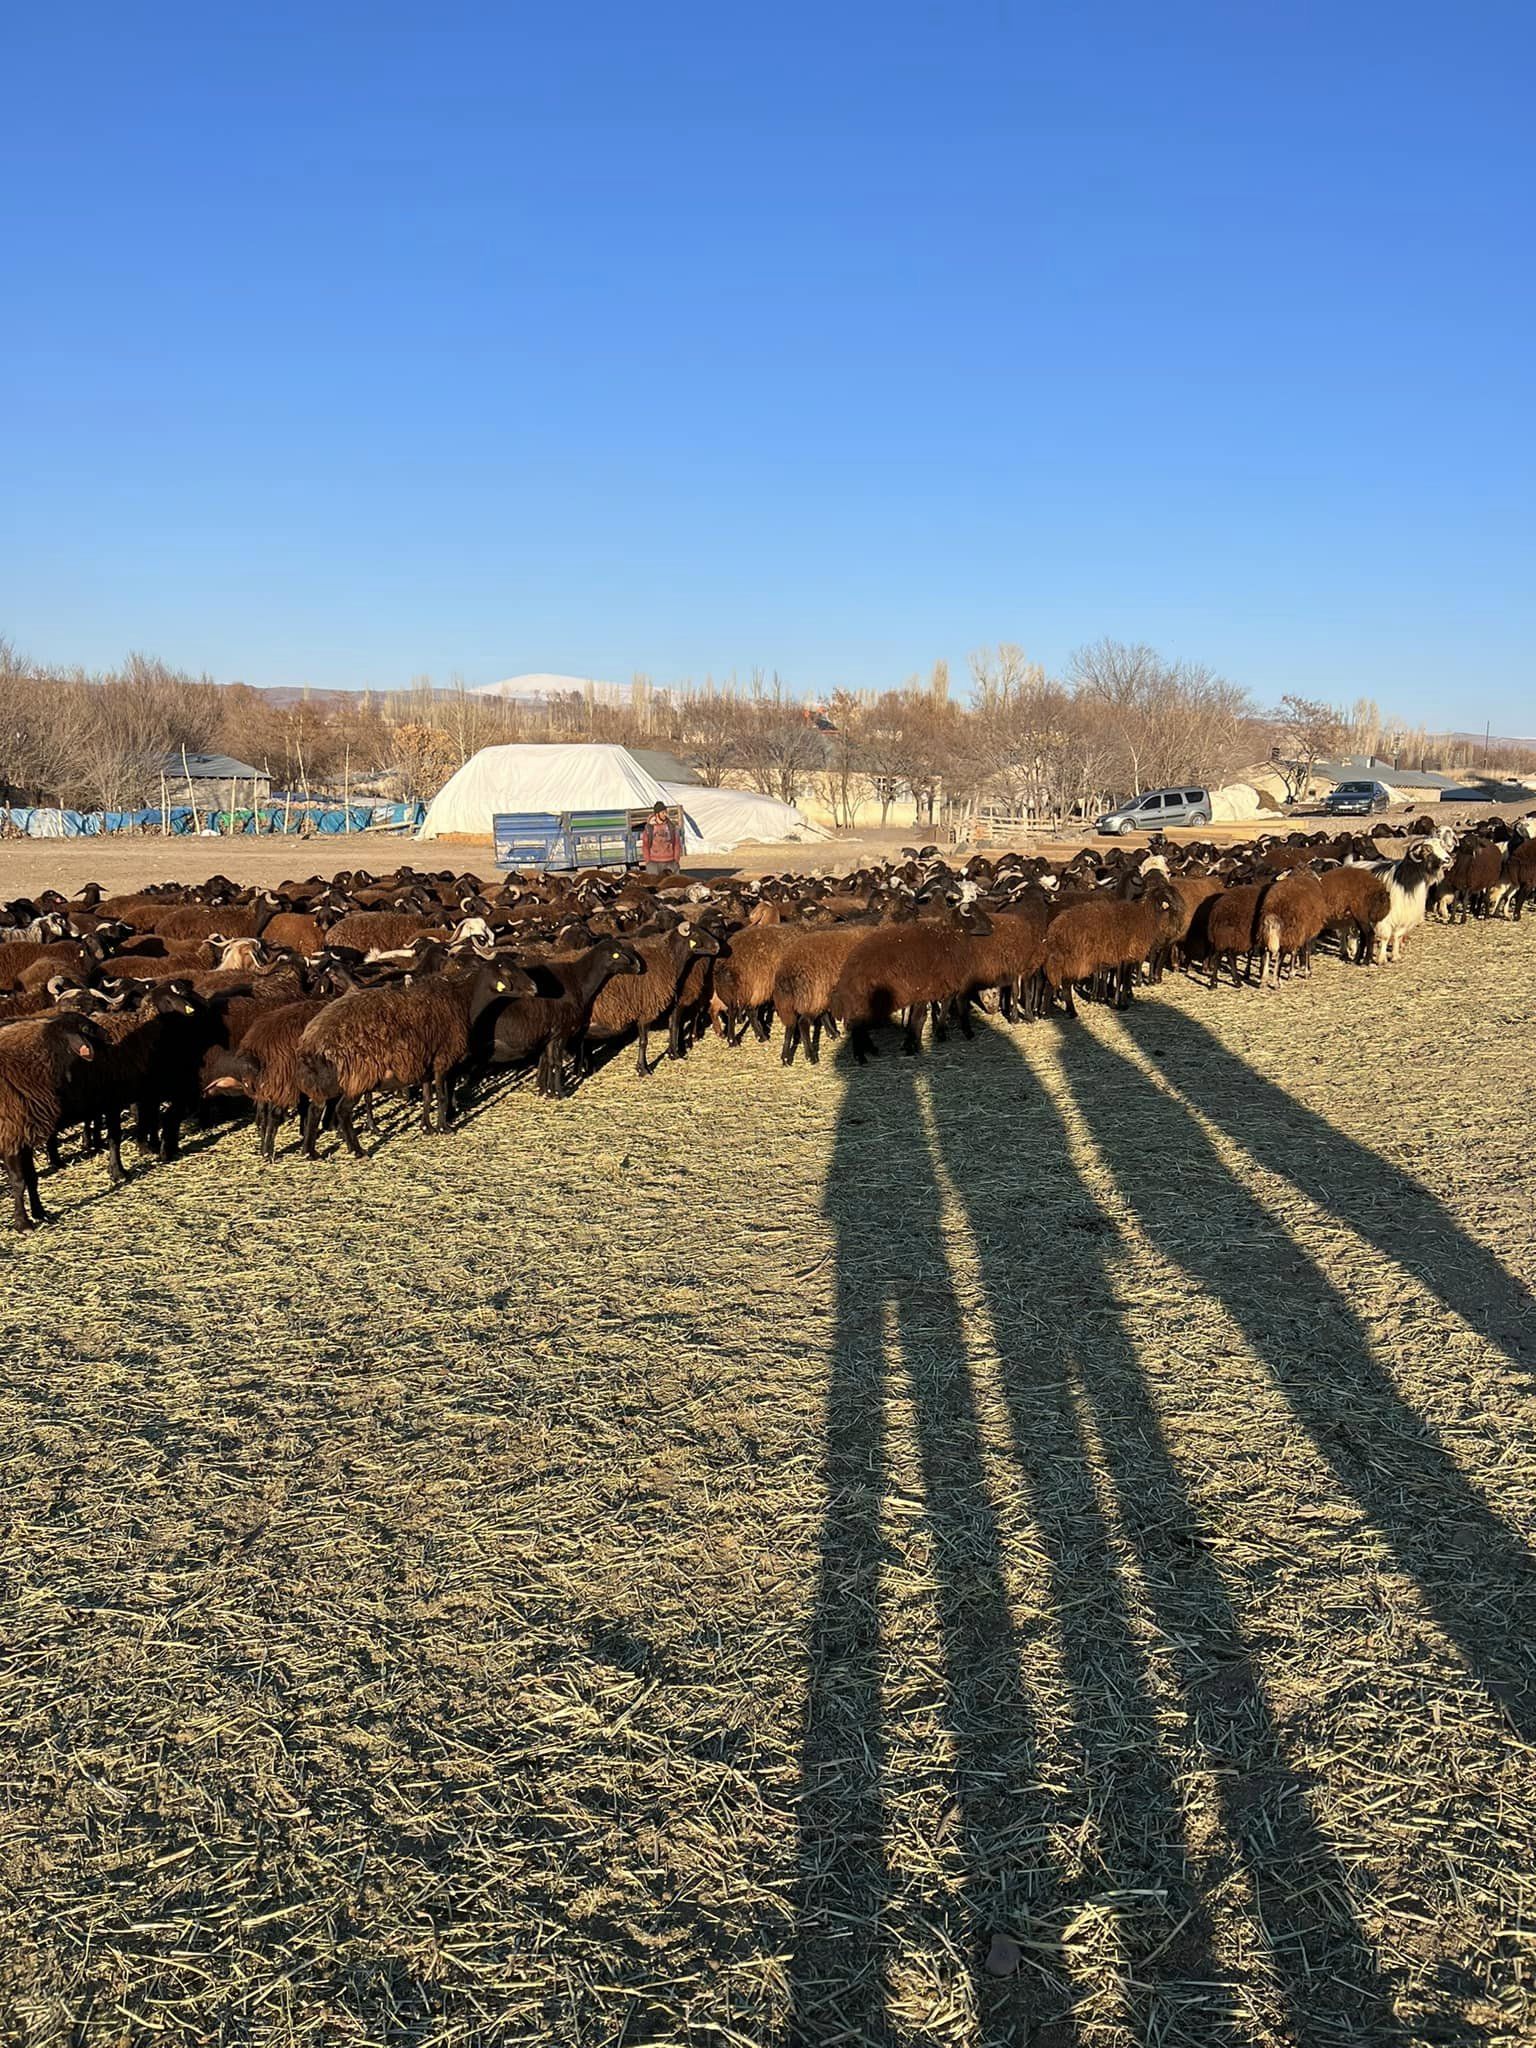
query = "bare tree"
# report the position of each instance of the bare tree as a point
(781, 745)
(710, 726)
(1309, 732)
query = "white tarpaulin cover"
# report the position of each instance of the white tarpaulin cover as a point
(583, 777)
(1237, 801)
(731, 817)
(587, 777)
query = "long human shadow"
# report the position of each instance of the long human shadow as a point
(1388, 1207)
(1476, 1574)
(883, 1200)
(1070, 1367)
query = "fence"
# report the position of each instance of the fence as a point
(183, 820)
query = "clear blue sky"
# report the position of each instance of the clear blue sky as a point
(348, 343)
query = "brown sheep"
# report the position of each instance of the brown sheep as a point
(28, 963)
(1292, 915)
(1476, 870)
(38, 1060)
(1010, 959)
(1191, 890)
(744, 976)
(1224, 926)
(1110, 935)
(264, 1067)
(295, 931)
(383, 931)
(807, 973)
(133, 1067)
(1356, 902)
(194, 921)
(638, 1002)
(912, 968)
(397, 1038)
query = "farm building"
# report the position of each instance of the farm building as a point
(587, 776)
(212, 777)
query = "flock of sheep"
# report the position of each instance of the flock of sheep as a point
(309, 1000)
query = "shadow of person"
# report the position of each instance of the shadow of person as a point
(1076, 1395)
(901, 1429)
(1473, 1570)
(1386, 1206)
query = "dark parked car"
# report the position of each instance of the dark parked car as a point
(1358, 799)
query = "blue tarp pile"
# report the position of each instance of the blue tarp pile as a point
(320, 816)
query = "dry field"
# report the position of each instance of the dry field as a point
(715, 1560)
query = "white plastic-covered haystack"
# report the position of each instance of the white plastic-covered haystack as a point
(736, 817)
(1239, 800)
(589, 777)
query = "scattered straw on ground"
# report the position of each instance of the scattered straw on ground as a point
(722, 1558)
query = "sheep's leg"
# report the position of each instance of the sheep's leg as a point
(862, 1044)
(791, 1041)
(675, 1033)
(267, 1117)
(1068, 1001)
(963, 1016)
(643, 1035)
(912, 1042)
(445, 1102)
(940, 1023)
(115, 1173)
(554, 1054)
(346, 1127)
(18, 1187)
(52, 1150)
(29, 1180)
(170, 1133)
(813, 1039)
(760, 1022)
(309, 1127)
(1123, 993)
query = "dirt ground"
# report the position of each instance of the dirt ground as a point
(718, 1559)
(27, 865)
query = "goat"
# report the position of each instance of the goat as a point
(1408, 882)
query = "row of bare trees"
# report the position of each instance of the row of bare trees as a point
(1021, 743)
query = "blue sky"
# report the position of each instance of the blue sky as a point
(350, 343)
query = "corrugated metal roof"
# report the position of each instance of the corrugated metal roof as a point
(210, 768)
(1366, 769)
(665, 767)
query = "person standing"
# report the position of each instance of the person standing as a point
(661, 843)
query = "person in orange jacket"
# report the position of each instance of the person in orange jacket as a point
(661, 843)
